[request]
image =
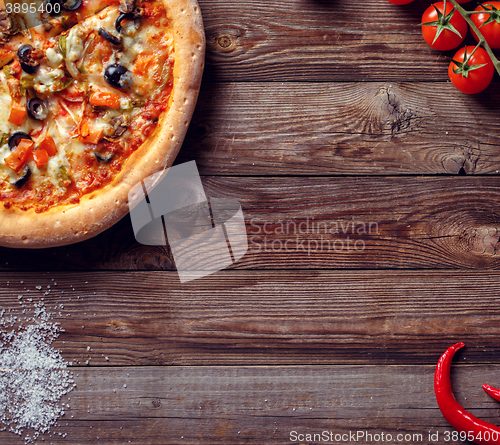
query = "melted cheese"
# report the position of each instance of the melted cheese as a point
(55, 58)
(87, 54)
(75, 43)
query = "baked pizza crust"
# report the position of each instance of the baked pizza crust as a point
(100, 209)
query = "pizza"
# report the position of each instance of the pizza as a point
(94, 99)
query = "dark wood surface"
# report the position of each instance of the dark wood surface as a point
(318, 120)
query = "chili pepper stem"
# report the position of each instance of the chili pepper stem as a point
(482, 41)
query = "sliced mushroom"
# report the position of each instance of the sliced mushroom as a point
(126, 6)
(117, 126)
(5, 24)
(119, 132)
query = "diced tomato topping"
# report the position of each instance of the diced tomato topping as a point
(49, 146)
(17, 113)
(143, 62)
(20, 155)
(40, 157)
(89, 135)
(101, 98)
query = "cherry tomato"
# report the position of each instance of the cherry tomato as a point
(491, 30)
(447, 38)
(400, 2)
(475, 79)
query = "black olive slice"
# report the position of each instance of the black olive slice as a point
(16, 137)
(104, 158)
(126, 16)
(28, 64)
(115, 40)
(28, 68)
(24, 51)
(37, 109)
(116, 76)
(71, 5)
(25, 175)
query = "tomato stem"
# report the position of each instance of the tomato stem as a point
(475, 49)
(482, 41)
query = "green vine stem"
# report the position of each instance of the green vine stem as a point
(467, 16)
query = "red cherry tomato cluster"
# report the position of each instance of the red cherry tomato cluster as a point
(471, 69)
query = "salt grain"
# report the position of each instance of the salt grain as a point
(33, 375)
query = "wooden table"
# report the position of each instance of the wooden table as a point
(318, 116)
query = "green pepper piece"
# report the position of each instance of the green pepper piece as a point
(62, 44)
(64, 176)
(27, 82)
(4, 138)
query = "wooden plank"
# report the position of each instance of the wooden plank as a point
(325, 223)
(318, 41)
(365, 128)
(282, 318)
(236, 405)
(366, 223)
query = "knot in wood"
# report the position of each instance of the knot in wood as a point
(224, 41)
(156, 403)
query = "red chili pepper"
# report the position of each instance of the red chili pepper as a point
(493, 392)
(475, 429)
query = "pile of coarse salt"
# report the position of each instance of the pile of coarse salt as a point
(33, 375)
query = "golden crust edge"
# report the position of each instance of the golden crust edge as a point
(103, 208)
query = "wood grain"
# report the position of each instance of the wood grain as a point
(317, 119)
(367, 223)
(281, 318)
(369, 128)
(325, 223)
(320, 40)
(237, 405)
